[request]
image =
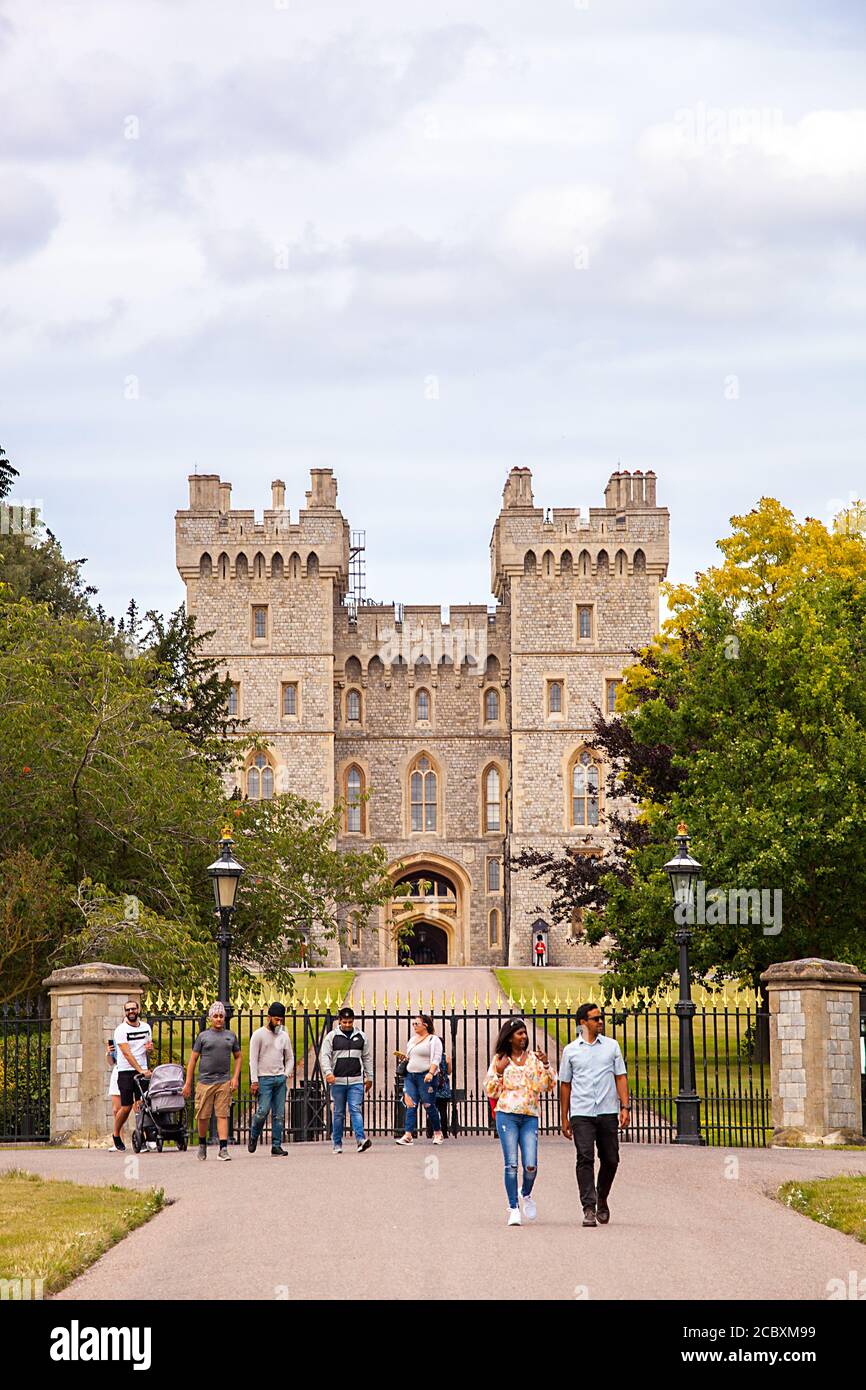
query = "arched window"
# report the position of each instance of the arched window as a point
(313, 565)
(423, 796)
(353, 706)
(353, 670)
(547, 564)
(223, 568)
(602, 564)
(354, 801)
(494, 927)
(242, 568)
(205, 566)
(491, 706)
(295, 566)
(277, 566)
(566, 564)
(376, 669)
(621, 565)
(639, 562)
(422, 706)
(492, 800)
(260, 779)
(584, 564)
(554, 697)
(585, 789)
(530, 564)
(494, 876)
(259, 566)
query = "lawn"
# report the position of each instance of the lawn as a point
(837, 1202)
(52, 1231)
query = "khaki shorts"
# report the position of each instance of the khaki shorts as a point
(213, 1099)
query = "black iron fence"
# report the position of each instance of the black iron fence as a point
(25, 1077)
(731, 1048)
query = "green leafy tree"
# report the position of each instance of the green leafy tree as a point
(7, 473)
(34, 908)
(746, 719)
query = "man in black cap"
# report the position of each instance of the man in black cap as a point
(271, 1064)
(347, 1062)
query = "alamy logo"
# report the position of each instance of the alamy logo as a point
(77, 1343)
(716, 908)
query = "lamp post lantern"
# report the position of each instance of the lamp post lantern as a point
(225, 874)
(683, 872)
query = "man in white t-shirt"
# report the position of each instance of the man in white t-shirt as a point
(133, 1041)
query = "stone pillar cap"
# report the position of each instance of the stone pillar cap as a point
(830, 972)
(96, 973)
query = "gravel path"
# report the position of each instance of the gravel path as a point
(259, 1227)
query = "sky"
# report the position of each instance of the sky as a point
(422, 245)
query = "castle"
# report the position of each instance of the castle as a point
(470, 729)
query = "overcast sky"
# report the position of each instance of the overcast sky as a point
(422, 244)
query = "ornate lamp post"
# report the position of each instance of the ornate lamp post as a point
(225, 874)
(683, 871)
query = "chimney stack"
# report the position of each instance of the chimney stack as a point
(278, 495)
(323, 490)
(203, 492)
(225, 502)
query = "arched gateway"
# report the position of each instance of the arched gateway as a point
(437, 908)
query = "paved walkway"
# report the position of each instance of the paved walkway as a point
(265, 1228)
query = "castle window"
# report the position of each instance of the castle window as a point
(639, 562)
(277, 566)
(530, 564)
(602, 563)
(223, 567)
(494, 927)
(584, 564)
(260, 779)
(491, 707)
(242, 568)
(585, 782)
(554, 697)
(313, 565)
(621, 564)
(422, 706)
(260, 621)
(610, 689)
(294, 566)
(354, 801)
(566, 564)
(494, 876)
(205, 566)
(547, 564)
(423, 795)
(353, 706)
(290, 699)
(355, 931)
(234, 701)
(584, 622)
(259, 566)
(492, 800)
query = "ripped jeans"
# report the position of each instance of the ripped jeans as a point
(518, 1132)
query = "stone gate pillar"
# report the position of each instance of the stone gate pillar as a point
(86, 1006)
(815, 1051)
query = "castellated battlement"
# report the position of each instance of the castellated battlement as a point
(216, 541)
(628, 535)
(422, 642)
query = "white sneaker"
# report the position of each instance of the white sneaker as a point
(406, 1140)
(437, 1138)
(514, 1217)
(338, 1148)
(530, 1210)
(151, 1144)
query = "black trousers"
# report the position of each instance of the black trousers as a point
(442, 1105)
(591, 1132)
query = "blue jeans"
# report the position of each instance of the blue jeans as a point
(272, 1096)
(417, 1089)
(518, 1131)
(355, 1096)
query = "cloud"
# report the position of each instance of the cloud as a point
(28, 215)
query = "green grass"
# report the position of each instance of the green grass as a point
(838, 1202)
(551, 982)
(54, 1230)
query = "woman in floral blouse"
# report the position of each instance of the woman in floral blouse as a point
(515, 1080)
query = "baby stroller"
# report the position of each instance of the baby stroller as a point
(162, 1114)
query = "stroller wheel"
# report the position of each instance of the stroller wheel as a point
(181, 1143)
(159, 1144)
(136, 1141)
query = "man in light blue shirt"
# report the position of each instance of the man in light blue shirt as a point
(593, 1099)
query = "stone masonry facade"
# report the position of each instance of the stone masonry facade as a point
(455, 739)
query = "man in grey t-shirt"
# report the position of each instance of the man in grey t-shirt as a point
(213, 1051)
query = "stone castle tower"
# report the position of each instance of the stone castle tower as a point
(470, 730)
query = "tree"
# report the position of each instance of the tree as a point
(7, 473)
(746, 718)
(33, 908)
